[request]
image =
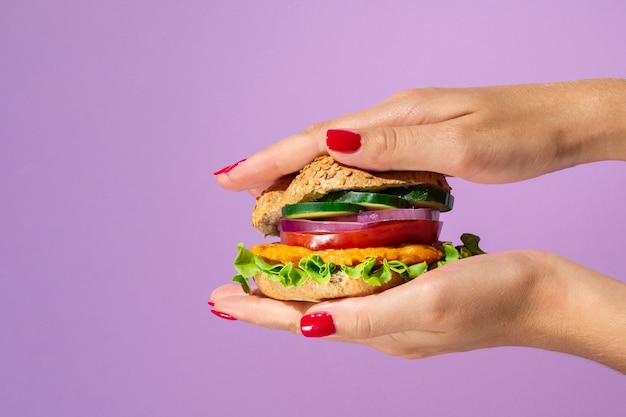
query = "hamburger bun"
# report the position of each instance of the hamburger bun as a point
(340, 286)
(325, 175)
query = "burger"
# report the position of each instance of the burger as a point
(345, 232)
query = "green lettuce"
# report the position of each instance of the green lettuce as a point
(289, 275)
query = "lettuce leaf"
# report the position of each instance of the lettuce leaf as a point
(289, 275)
(470, 245)
(317, 269)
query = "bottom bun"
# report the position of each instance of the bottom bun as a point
(340, 286)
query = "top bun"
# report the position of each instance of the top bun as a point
(325, 175)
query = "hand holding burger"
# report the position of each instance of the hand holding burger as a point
(489, 135)
(501, 299)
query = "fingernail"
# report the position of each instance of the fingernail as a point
(317, 325)
(223, 315)
(211, 303)
(343, 141)
(227, 169)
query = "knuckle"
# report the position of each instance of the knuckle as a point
(467, 150)
(363, 327)
(437, 303)
(294, 327)
(422, 93)
(388, 147)
(391, 140)
(404, 93)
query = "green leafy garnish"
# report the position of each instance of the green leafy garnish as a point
(470, 243)
(243, 281)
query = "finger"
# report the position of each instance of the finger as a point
(279, 159)
(259, 310)
(407, 108)
(431, 147)
(226, 291)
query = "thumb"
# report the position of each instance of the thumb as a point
(403, 148)
(359, 318)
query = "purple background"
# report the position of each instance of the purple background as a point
(113, 232)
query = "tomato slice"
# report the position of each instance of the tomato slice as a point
(392, 233)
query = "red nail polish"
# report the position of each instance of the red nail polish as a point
(343, 141)
(223, 315)
(227, 169)
(211, 303)
(317, 325)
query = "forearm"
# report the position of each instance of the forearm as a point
(578, 311)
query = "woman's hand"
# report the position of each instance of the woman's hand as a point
(487, 135)
(524, 298)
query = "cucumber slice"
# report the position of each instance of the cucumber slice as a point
(373, 201)
(425, 196)
(319, 209)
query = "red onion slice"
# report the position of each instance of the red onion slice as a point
(358, 221)
(375, 216)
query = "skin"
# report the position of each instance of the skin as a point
(487, 135)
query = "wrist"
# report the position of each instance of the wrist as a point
(600, 120)
(577, 311)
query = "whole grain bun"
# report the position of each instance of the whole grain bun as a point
(340, 286)
(325, 175)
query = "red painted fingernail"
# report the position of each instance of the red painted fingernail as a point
(343, 141)
(223, 315)
(227, 169)
(211, 303)
(317, 325)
